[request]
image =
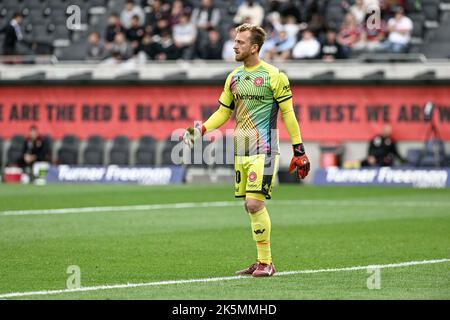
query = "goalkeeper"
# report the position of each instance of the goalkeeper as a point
(257, 91)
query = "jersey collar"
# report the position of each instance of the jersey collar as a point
(250, 69)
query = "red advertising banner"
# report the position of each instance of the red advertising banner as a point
(325, 113)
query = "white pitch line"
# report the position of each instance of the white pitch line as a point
(217, 279)
(187, 205)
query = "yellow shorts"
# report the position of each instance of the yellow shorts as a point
(255, 174)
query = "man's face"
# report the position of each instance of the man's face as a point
(93, 38)
(243, 48)
(135, 22)
(331, 36)
(33, 133)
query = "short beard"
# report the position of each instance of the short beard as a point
(242, 58)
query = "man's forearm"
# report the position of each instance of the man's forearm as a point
(217, 119)
(290, 122)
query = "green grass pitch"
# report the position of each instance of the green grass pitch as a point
(329, 227)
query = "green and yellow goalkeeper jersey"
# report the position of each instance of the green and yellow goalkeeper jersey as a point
(255, 93)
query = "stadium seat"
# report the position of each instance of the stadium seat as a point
(120, 151)
(68, 156)
(146, 151)
(334, 15)
(418, 20)
(41, 34)
(166, 158)
(34, 4)
(93, 156)
(15, 150)
(14, 156)
(95, 151)
(145, 156)
(68, 153)
(431, 11)
(48, 141)
(1, 153)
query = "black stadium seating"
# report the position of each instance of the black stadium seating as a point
(120, 151)
(69, 150)
(146, 151)
(1, 152)
(94, 153)
(15, 150)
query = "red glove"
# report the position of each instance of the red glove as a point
(300, 163)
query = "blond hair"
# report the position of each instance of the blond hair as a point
(258, 35)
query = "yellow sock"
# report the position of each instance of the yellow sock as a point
(261, 226)
(264, 254)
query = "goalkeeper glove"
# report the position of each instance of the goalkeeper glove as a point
(300, 163)
(192, 134)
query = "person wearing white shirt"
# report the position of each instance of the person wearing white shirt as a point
(359, 11)
(130, 10)
(307, 48)
(184, 36)
(250, 10)
(400, 28)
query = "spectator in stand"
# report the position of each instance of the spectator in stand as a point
(308, 47)
(382, 150)
(227, 50)
(389, 7)
(130, 10)
(212, 50)
(359, 11)
(279, 48)
(290, 8)
(206, 17)
(251, 9)
(330, 49)
(292, 27)
(115, 59)
(150, 47)
(13, 34)
(96, 49)
(184, 37)
(371, 36)
(114, 27)
(400, 28)
(157, 17)
(349, 34)
(135, 33)
(168, 49)
(178, 9)
(34, 149)
(121, 46)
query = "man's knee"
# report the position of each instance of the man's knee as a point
(253, 205)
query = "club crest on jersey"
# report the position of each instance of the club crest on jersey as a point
(259, 81)
(252, 176)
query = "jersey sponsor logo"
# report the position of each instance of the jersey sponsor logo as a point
(259, 81)
(238, 96)
(252, 176)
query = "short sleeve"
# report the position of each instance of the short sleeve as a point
(226, 98)
(281, 88)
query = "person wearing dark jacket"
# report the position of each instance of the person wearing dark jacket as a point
(13, 34)
(382, 150)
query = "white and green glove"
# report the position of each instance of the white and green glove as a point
(192, 134)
